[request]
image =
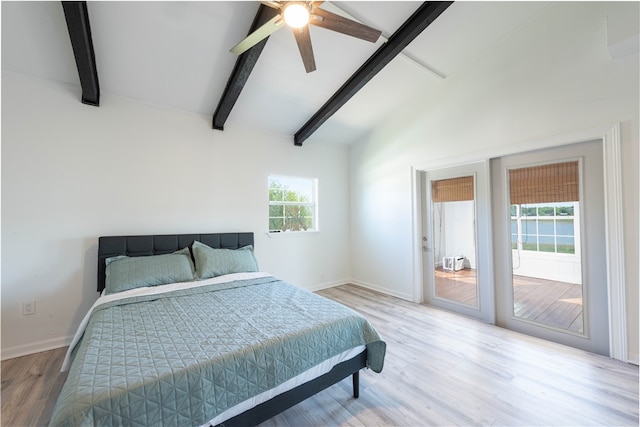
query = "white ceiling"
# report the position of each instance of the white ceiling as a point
(176, 55)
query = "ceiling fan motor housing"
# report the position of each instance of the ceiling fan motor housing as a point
(296, 14)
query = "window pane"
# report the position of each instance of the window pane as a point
(514, 241)
(514, 226)
(529, 226)
(514, 210)
(276, 210)
(530, 242)
(566, 210)
(545, 226)
(275, 195)
(295, 224)
(546, 244)
(546, 211)
(276, 223)
(290, 196)
(291, 214)
(305, 194)
(564, 227)
(292, 211)
(308, 222)
(566, 245)
(546, 276)
(305, 211)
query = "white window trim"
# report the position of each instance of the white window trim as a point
(314, 204)
(576, 235)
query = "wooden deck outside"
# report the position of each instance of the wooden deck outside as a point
(459, 286)
(550, 303)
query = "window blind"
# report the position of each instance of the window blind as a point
(557, 182)
(452, 190)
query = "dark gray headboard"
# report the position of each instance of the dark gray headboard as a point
(109, 246)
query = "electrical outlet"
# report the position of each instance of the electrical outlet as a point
(29, 307)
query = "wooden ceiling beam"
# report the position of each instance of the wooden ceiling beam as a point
(77, 17)
(412, 27)
(242, 70)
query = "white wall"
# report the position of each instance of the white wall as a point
(71, 173)
(553, 76)
(454, 231)
(547, 265)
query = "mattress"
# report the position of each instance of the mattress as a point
(199, 352)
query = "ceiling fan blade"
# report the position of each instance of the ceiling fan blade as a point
(303, 38)
(273, 4)
(270, 27)
(331, 21)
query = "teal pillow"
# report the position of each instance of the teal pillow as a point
(124, 273)
(217, 262)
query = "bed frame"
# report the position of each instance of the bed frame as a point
(110, 246)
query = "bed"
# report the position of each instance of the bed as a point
(189, 331)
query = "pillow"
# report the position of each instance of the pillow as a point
(124, 273)
(212, 262)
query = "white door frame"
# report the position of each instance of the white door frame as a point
(594, 336)
(616, 286)
(486, 299)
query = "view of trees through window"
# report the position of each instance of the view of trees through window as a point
(544, 227)
(292, 204)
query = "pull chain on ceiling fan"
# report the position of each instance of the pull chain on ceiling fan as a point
(298, 15)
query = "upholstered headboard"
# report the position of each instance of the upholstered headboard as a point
(109, 246)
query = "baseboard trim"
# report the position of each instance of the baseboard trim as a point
(327, 285)
(362, 284)
(385, 291)
(37, 347)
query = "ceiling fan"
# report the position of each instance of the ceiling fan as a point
(298, 15)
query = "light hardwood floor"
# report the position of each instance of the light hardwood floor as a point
(440, 369)
(30, 387)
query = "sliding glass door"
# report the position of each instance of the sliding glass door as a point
(550, 245)
(456, 258)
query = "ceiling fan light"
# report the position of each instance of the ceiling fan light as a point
(296, 15)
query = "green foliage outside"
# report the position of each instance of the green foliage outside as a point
(288, 215)
(547, 247)
(536, 210)
(566, 249)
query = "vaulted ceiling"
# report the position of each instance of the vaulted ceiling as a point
(176, 55)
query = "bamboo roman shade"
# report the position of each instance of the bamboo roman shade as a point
(558, 182)
(452, 190)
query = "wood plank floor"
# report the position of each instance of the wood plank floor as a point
(459, 286)
(548, 302)
(30, 387)
(441, 369)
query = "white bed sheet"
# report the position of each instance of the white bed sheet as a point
(304, 377)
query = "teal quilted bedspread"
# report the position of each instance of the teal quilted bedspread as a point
(182, 358)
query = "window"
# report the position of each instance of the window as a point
(544, 207)
(292, 204)
(544, 227)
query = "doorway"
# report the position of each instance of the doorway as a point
(457, 267)
(610, 138)
(549, 240)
